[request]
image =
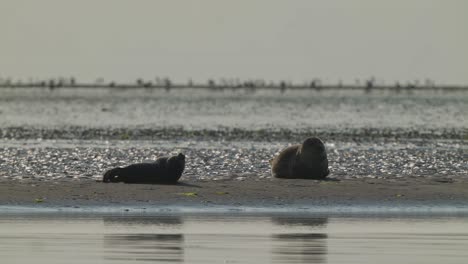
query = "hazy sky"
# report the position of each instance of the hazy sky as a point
(271, 39)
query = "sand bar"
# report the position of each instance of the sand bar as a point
(266, 193)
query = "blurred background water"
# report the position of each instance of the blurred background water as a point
(241, 108)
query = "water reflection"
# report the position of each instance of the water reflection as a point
(231, 239)
(318, 223)
(161, 221)
(307, 247)
(144, 246)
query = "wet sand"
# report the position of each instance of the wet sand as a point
(264, 193)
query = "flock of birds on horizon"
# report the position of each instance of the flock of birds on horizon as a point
(167, 84)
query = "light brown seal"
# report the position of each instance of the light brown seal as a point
(305, 161)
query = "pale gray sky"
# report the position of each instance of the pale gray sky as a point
(271, 39)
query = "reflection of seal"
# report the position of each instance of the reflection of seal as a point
(305, 161)
(163, 170)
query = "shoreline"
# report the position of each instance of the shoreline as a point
(250, 195)
(362, 134)
(246, 85)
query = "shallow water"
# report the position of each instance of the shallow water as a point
(220, 160)
(242, 109)
(238, 238)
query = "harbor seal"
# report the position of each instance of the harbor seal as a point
(305, 161)
(163, 170)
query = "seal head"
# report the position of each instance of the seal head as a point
(175, 166)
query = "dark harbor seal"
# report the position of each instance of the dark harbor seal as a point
(305, 161)
(163, 170)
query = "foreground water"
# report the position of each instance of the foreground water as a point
(221, 238)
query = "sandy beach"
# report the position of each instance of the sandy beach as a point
(274, 193)
(55, 146)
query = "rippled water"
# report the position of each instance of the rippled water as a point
(221, 238)
(247, 109)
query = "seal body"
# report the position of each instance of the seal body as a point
(163, 170)
(305, 161)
